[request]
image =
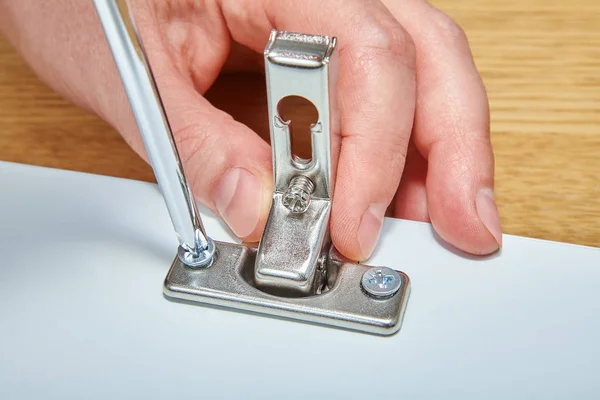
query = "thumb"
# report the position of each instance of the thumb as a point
(227, 164)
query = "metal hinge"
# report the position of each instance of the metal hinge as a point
(295, 272)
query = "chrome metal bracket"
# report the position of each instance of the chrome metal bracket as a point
(229, 282)
(295, 272)
(298, 223)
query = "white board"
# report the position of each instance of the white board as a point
(82, 314)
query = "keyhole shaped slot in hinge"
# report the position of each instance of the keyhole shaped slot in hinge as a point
(300, 115)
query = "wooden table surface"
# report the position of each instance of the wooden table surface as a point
(540, 60)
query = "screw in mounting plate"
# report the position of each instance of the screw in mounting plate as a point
(296, 197)
(201, 259)
(381, 282)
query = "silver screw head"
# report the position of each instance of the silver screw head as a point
(203, 259)
(296, 199)
(381, 282)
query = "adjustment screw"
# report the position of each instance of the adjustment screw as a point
(381, 282)
(296, 197)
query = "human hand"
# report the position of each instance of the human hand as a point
(405, 68)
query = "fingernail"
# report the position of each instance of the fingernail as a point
(488, 213)
(238, 200)
(369, 228)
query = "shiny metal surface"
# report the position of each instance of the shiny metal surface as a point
(305, 66)
(152, 122)
(381, 282)
(229, 283)
(296, 235)
(291, 246)
(202, 259)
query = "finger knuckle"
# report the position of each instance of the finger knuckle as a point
(392, 39)
(189, 140)
(447, 30)
(197, 142)
(385, 157)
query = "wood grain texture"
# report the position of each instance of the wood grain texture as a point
(540, 61)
